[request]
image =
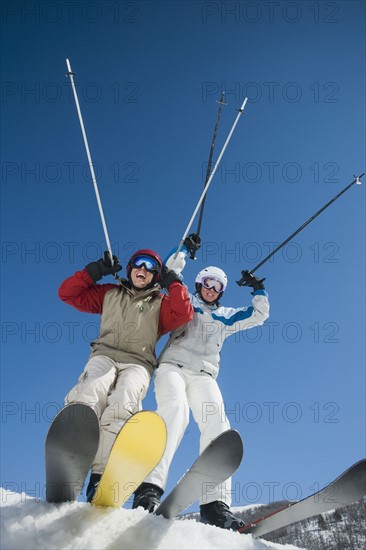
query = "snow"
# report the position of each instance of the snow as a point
(30, 523)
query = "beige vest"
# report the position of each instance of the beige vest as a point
(129, 326)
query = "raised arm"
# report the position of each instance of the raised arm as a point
(81, 292)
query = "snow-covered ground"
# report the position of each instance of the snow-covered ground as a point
(28, 523)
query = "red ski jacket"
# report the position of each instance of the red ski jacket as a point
(131, 321)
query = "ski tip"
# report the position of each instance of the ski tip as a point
(233, 439)
(247, 529)
(235, 434)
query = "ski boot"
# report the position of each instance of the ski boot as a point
(218, 513)
(92, 486)
(148, 496)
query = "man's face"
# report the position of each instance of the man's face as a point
(140, 277)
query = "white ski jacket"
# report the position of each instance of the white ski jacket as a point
(197, 345)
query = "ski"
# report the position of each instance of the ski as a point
(70, 448)
(217, 462)
(348, 488)
(137, 450)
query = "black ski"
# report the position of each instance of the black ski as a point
(216, 463)
(71, 444)
(348, 488)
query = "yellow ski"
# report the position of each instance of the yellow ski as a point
(137, 450)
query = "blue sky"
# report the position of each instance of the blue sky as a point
(148, 76)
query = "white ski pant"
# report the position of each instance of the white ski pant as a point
(115, 391)
(177, 390)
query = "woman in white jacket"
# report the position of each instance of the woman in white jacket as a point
(186, 379)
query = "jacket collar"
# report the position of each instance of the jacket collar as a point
(205, 305)
(144, 293)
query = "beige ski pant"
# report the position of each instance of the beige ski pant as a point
(115, 391)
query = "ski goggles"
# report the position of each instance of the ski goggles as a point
(149, 263)
(211, 282)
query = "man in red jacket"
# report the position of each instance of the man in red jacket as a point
(134, 314)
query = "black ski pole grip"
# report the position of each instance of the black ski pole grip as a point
(241, 282)
(193, 252)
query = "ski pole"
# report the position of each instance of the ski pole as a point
(357, 180)
(208, 172)
(71, 75)
(240, 112)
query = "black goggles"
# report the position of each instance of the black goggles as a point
(149, 263)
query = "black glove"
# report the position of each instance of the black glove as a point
(192, 243)
(249, 279)
(168, 276)
(97, 270)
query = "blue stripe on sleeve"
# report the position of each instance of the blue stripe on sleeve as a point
(260, 292)
(238, 316)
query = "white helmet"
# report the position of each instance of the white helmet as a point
(212, 272)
